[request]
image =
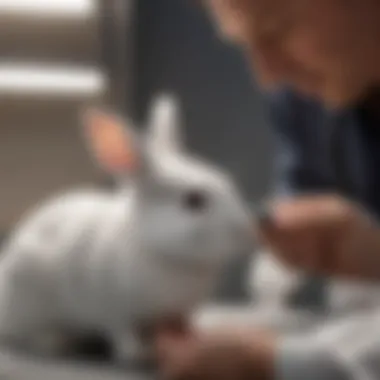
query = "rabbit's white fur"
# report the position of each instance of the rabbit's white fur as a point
(107, 261)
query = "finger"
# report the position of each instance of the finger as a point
(270, 235)
(279, 227)
(334, 259)
(292, 243)
(285, 245)
(311, 255)
(311, 211)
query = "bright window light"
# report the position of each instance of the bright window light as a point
(45, 80)
(64, 8)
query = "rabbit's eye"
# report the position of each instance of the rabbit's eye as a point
(195, 200)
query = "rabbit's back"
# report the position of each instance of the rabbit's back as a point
(57, 247)
(56, 223)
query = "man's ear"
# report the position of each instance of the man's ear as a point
(164, 124)
(112, 142)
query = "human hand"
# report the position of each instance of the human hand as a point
(220, 354)
(324, 234)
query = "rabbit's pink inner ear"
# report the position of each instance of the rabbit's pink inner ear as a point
(112, 145)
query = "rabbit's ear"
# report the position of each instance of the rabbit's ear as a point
(112, 142)
(164, 126)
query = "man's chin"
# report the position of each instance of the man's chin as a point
(338, 99)
(338, 102)
(333, 98)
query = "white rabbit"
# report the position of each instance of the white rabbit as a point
(93, 260)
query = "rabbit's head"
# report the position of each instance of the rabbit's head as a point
(188, 210)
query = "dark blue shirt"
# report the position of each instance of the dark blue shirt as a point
(324, 150)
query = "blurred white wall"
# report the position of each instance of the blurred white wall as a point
(50, 67)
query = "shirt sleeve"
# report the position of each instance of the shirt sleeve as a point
(347, 349)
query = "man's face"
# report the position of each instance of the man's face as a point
(324, 48)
